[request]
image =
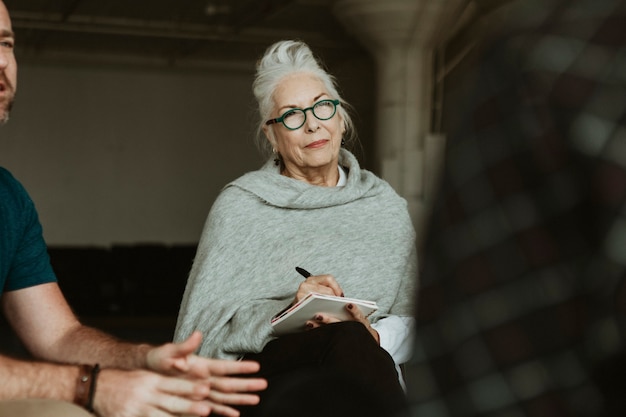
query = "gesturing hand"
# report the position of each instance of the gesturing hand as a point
(147, 394)
(178, 359)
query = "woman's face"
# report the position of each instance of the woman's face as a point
(313, 148)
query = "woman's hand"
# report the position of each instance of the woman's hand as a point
(355, 312)
(322, 284)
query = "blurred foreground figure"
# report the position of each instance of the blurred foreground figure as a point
(522, 298)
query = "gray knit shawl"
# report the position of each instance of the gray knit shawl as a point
(264, 224)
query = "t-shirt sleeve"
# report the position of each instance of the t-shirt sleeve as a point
(29, 263)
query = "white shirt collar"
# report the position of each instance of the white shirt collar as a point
(343, 178)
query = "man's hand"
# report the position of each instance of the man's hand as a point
(179, 360)
(142, 393)
(146, 394)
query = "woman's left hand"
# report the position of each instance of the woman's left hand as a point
(357, 315)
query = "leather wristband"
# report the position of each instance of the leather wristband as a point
(86, 386)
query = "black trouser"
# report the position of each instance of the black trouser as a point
(335, 370)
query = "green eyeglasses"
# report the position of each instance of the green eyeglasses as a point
(293, 119)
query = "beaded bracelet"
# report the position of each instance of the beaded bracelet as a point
(86, 386)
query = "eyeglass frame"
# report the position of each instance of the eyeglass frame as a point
(281, 119)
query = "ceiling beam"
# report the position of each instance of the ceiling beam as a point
(159, 29)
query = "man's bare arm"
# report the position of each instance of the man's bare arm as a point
(21, 379)
(49, 329)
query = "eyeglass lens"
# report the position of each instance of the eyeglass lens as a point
(295, 118)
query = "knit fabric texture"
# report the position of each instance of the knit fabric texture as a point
(263, 225)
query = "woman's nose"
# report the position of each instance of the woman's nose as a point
(311, 122)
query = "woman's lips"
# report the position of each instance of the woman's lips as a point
(317, 143)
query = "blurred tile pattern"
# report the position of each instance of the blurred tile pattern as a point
(522, 302)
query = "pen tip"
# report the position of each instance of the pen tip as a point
(303, 272)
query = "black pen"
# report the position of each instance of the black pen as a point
(303, 272)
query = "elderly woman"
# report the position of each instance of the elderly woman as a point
(311, 205)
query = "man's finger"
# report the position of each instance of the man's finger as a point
(228, 367)
(233, 385)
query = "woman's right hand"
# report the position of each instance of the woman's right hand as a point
(322, 284)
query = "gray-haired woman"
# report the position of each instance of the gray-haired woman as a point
(310, 205)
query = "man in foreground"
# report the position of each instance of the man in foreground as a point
(75, 363)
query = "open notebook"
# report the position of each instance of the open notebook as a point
(294, 318)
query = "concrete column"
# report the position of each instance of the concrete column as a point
(402, 36)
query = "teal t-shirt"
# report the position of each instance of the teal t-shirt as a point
(24, 260)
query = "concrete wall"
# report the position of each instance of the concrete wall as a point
(122, 154)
